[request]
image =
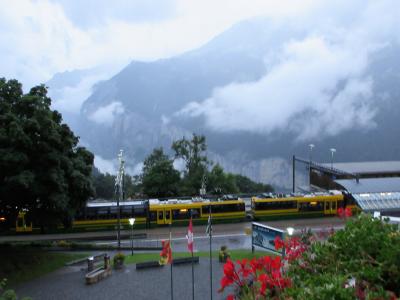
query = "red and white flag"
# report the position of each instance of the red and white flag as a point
(189, 236)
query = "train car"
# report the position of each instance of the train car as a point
(104, 215)
(274, 207)
(154, 212)
(179, 211)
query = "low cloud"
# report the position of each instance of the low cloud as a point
(105, 165)
(317, 85)
(105, 115)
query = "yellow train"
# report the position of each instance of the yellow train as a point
(272, 206)
(154, 212)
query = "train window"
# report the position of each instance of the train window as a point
(275, 205)
(91, 213)
(153, 216)
(160, 215)
(139, 212)
(311, 206)
(333, 204)
(195, 213)
(167, 214)
(205, 210)
(113, 212)
(102, 213)
(180, 214)
(126, 212)
(20, 222)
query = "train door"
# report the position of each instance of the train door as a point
(330, 207)
(164, 216)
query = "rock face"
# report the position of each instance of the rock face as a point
(137, 108)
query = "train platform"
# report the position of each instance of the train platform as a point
(163, 232)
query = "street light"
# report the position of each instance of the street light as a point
(333, 150)
(309, 169)
(290, 231)
(132, 221)
(311, 147)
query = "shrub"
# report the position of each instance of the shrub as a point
(223, 254)
(119, 258)
(362, 261)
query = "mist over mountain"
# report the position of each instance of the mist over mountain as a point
(260, 92)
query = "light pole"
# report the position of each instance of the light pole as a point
(132, 221)
(309, 169)
(333, 150)
(119, 188)
(290, 231)
(311, 147)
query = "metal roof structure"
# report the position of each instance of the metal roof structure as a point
(374, 194)
(368, 167)
(371, 185)
(378, 201)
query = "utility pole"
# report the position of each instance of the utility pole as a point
(119, 188)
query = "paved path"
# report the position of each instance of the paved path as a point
(199, 230)
(68, 283)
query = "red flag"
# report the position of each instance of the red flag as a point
(189, 236)
(166, 253)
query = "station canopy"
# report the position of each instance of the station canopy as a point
(374, 194)
(368, 167)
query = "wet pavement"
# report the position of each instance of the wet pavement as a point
(128, 283)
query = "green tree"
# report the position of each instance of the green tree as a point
(246, 185)
(159, 178)
(193, 153)
(220, 182)
(42, 168)
(104, 185)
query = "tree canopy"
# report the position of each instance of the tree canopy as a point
(159, 178)
(196, 162)
(43, 170)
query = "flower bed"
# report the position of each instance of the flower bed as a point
(361, 261)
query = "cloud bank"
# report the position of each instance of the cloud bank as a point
(105, 115)
(318, 85)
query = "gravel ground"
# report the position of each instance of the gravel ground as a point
(128, 283)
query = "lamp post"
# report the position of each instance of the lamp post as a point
(333, 150)
(309, 169)
(290, 231)
(132, 221)
(311, 147)
(119, 190)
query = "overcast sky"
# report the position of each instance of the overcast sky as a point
(40, 38)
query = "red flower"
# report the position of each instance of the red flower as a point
(257, 264)
(348, 212)
(244, 270)
(340, 212)
(230, 297)
(230, 276)
(279, 243)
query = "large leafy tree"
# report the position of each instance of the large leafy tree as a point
(42, 168)
(246, 185)
(193, 153)
(220, 182)
(159, 178)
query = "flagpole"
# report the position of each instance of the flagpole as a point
(211, 289)
(170, 245)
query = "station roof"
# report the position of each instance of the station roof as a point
(371, 185)
(378, 201)
(374, 194)
(369, 167)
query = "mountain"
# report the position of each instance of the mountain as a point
(140, 107)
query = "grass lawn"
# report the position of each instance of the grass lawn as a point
(23, 264)
(235, 254)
